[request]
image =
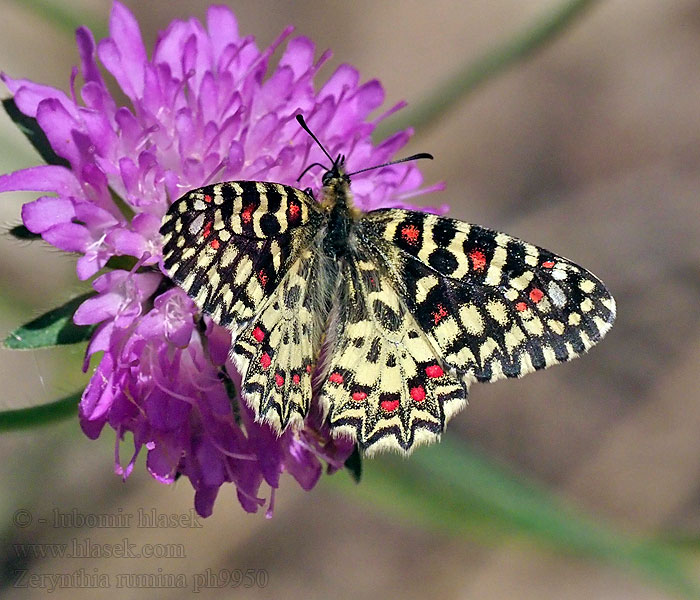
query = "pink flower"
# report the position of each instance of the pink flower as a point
(204, 108)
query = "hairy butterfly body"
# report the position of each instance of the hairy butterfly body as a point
(386, 317)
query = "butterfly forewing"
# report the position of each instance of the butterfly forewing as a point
(493, 305)
(228, 245)
(244, 251)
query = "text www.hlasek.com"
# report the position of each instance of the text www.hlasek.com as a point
(86, 548)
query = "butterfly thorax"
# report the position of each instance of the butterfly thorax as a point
(342, 214)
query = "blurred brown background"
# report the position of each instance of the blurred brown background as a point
(589, 149)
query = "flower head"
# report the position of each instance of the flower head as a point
(204, 107)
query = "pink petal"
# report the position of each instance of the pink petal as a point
(162, 461)
(219, 343)
(97, 309)
(169, 48)
(97, 398)
(127, 243)
(61, 129)
(70, 237)
(345, 77)
(126, 35)
(44, 178)
(299, 55)
(91, 263)
(223, 28)
(87, 50)
(108, 281)
(97, 97)
(99, 343)
(204, 499)
(100, 131)
(368, 97)
(303, 466)
(28, 95)
(46, 212)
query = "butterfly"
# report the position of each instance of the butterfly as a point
(384, 317)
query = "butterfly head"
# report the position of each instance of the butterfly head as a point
(336, 172)
(336, 180)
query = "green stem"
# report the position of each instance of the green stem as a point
(452, 488)
(44, 414)
(65, 18)
(492, 63)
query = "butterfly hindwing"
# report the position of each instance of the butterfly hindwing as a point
(384, 383)
(276, 352)
(493, 305)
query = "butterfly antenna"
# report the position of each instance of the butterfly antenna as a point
(396, 162)
(305, 171)
(305, 127)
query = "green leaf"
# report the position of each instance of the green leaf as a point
(224, 377)
(20, 232)
(122, 262)
(122, 205)
(354, 464)
(54, 328)
(453, 489)
(65, 18)
(43, 414)
(35, 134)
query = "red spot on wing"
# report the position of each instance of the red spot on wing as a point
(520, 306)
(258, 334)
(207, 198)
(418, 393)
(206, 232)
(336, 378)
(410, 233)
(279, 380)
(294, 211)
(359, 396)
(434, 371)
(262, 276)
(265, 360)
(215, 244)
(478, 259)
(548, 264)
(439, 314)
(247, 213)
(296, 379)
(389, 405)
(536, 295)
